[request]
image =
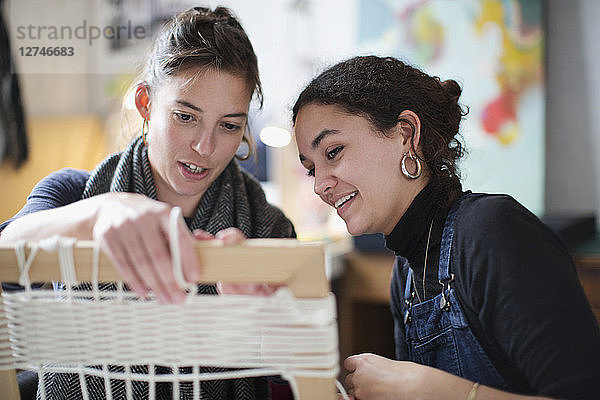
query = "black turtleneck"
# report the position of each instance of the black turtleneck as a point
(517, 286)
(409, 238)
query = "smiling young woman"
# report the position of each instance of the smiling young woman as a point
(342, 158)
(485, 298)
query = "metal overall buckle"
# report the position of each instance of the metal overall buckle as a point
(445, 300)
(409, 304)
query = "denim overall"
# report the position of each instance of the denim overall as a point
(435, 332)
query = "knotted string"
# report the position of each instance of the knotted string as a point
(282, 347)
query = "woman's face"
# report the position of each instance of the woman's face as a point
(196, 126)
(356, 169)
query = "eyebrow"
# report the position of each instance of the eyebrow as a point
(198, 109)
(318, 139)
(189, 105)
(322, 135)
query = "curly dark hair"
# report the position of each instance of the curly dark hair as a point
(379, 89)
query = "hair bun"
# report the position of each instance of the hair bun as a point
(452, 90)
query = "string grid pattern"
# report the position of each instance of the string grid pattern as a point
(88, 331)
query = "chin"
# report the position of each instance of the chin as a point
(355, 230)
(190, 188)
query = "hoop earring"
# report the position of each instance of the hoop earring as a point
(145, 129)
(416, 160)
(247, 156)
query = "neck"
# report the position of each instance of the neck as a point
(187, 203)
(409, 236)
(405, 201)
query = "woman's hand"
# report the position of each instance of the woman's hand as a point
(229, 236)
(233, 236)
(133, 232)
(253, 289)
(375, 377)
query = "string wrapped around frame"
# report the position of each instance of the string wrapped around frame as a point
(255, 336)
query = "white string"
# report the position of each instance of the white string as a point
(262, 329)
(96, 271)
(128, 377)
(41, 382)
(342, 390)
(82, 382)
(24, 263)
(65, 261)
(175, 385)
(107, 387)
(263, 336)
(196, 371)
(174, 219)
(152, 382)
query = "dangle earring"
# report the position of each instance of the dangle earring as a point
(145, 129)
(250, 150)
(417, 162)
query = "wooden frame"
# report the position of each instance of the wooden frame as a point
(298, 265)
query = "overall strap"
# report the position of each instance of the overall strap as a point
(408, 284)
(446, 244)
(409, 294)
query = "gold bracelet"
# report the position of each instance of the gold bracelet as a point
(473, 391)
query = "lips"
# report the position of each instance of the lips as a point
(343, 200)
(192, 171)
(193, 168)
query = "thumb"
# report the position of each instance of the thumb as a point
(351, 362)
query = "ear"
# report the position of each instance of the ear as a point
(142, 100)
(409, 126)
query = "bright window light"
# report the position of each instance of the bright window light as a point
(275, 137)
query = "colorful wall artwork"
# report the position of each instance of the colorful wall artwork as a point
(494, 49)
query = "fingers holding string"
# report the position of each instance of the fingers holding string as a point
(112, 246)
(135, 238)
(182, 245)
(157, 265)
(143, 255)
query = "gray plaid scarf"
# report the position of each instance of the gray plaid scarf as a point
(234, 199)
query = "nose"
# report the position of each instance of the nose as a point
(204, 143)
(324, 181)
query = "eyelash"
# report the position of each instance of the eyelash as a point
(231, 127)
(332, 153)
(330, 156)
(182, 117)
(185, 118)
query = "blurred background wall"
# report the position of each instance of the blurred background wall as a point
(75, 117)
(572, 106)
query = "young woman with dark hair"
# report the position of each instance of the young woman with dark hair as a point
(485, 298)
